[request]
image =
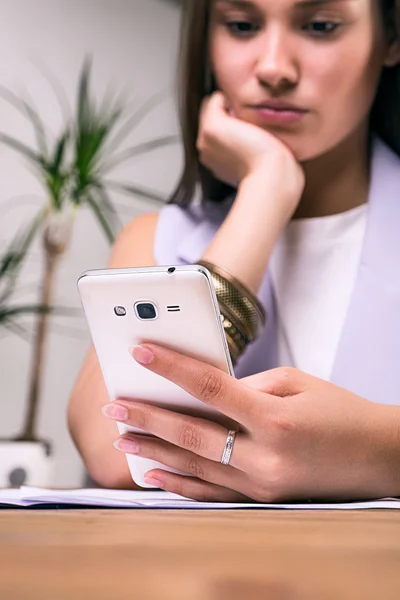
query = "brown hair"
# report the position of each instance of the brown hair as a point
(196, 83)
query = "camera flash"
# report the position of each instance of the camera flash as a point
(120, 311)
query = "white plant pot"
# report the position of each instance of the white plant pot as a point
(25, 463)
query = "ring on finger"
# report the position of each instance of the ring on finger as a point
(227, 453)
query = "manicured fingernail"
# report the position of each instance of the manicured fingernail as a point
(126, 446)
(115, 411)
(142, 354)
(154, 482)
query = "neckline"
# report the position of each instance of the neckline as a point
(338, 217)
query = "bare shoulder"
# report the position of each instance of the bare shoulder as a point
(134, 245)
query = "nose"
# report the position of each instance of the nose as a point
(276, 65)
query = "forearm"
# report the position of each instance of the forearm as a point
(92, 432)
(245, 240)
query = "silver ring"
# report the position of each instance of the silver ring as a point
(226, 455)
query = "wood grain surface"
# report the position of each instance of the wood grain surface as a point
(199, 555)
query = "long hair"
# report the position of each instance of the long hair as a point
(196, 82)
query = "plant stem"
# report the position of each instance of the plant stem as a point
(29, 430)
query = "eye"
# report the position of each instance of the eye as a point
(241, 28)
(322, 28)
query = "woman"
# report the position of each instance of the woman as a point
(291, 128)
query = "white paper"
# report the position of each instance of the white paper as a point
(27, 497)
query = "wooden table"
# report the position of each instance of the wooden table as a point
(193, 555)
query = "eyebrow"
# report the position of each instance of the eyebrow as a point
(316, 2)
(302, 3)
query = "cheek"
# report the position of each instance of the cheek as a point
(348, 86)
(343, 86)
(345, 79)
(232, 70)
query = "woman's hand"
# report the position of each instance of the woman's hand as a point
(300, 437)
(234, 149)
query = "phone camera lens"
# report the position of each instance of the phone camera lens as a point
(120, 311)
(146, 311)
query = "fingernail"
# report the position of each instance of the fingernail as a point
(142, 354)
(154, 482)
(126, 446)
(115, 411)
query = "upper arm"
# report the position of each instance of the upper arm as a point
(134, 245)
(93, 434)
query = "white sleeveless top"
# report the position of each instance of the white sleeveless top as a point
(313, 269)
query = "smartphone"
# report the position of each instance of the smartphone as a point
(174, 306)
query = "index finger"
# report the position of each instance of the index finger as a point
(205, 382)
(218, 104)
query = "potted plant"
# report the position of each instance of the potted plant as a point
(74, 172)
(18, 460)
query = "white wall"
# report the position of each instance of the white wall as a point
(134, 46)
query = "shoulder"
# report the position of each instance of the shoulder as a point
(134, 245)
(141, 226)
(173, 235)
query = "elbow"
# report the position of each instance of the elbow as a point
(108, 468)
(105, 465)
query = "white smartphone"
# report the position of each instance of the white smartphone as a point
(174, 306)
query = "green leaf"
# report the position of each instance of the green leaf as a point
(91, 133)
(83, 108)
(57, 176)
(50, 174)
(14, 328)
(27, 152)
(12, 311)
(56, 87)
(59, 152)
(28, 111)
(135, 190)
(139, 150)
(12, 259)
(101, 192)
(101, 217)
(133, 120)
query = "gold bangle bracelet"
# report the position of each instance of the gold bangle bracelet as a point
(236, 306)
(233, 349)
(234, 333)
(244, 320)
(245, 292)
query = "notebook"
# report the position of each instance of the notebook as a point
(31, 497)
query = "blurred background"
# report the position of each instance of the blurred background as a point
(134, 46)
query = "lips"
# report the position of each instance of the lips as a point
(280, 107)
(279, 115)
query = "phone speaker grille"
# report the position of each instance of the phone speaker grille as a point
(173, 308)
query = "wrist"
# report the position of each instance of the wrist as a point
(244, 242)
(284, 182)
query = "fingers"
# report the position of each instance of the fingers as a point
(197, 436)
(218, 103)
(213, 108)
(181, 460)
(206, 383)
(193, 488)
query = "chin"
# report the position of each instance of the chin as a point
(303, 148)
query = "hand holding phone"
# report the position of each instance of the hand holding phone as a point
(174, 307)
